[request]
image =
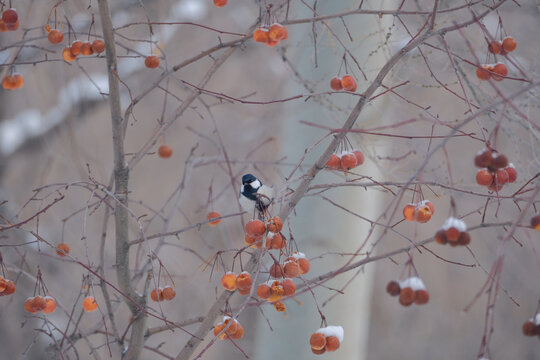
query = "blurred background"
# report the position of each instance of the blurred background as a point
(56, 130)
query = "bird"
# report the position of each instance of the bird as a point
(254, 195)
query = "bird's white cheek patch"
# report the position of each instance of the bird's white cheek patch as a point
(256, 184)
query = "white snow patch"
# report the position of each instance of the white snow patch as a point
(414, 283)
(336, 331)
(452, 222)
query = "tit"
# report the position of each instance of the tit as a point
(255, 195)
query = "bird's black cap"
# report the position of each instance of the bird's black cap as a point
(248, 178)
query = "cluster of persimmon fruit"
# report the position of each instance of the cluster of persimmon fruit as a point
(496, 171)
(229, 328)
(272, 35)
(507, 45)
(326, 339)
(346, 82)
(230, 281)
(12, 82)
(420, 212)
(257, 229)
(82, 48)
(496, 71)
(453, 232)
(163, 293)
(292, 267)
(411, 290)
(531, 327)
(345, 161)
(274, 290)
(77, 47)
(499, 70)
(7, 287)
(35, 304)
(9, 21)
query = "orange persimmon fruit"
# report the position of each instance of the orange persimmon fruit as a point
(62, 249)
(151, 61)
(228, 281)
(212, 216)
(165, 151)
(55, 36)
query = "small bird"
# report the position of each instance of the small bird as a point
(255, 195)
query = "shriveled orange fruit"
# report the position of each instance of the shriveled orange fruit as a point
(274, 224)
(509, 44)
(239, 332)
(255, 228)
(98, 46)
(359, 157)
(348, 161)
(220, 3)
(10, 16)
(55, 36)
(495, 47)
(10, 288)
(243, 280)
(89, 304)
(276, 32)
(501, 72)
(67, 55)
(151, 62)
(165, 151)
(483, 72)
(62, 249)
(168, 292)
(275, 241)
(261, 35)
(406, 296)
(50, 305)
(335, 84)
(423, 214)
(29, 306)
(291, 269)
(332, 343)
(334, 162)
(289, 287)
(484, 177)
(213, 215)
(228, 281)
(157, 294)
(279, 306)
(276, 271)
(408, 212)
(421, 297)
(86, 48)
(317, 341)
(264, 291)
(348, 83)
(304, 265)
(76, 47)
